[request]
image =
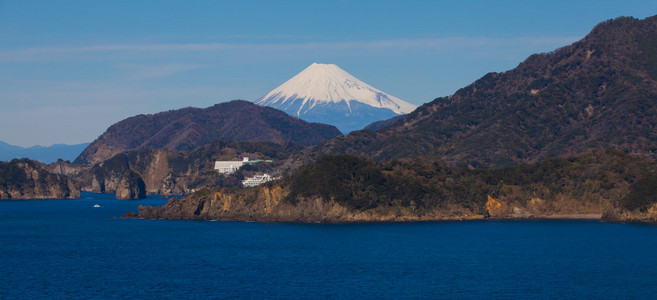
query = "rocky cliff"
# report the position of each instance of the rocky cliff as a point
(65, 168)
(115, 176)
(269, 204)
(28, 179)
(172, 173)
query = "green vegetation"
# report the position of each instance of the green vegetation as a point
(643, 194)
(353, 181)
(596, 94)
(422, 184)
(13, 177)
(188, 129)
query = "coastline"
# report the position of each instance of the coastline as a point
(269, 205)
(576, 217)
(371, 220)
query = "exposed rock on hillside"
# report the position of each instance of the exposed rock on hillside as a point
(28, 179)
(189, 128)
(351, 189)
(115, 176)
(263, 204)
(131, 186)
(172, 173)
(65, 168)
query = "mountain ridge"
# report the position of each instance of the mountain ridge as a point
(45, 154)
(597, 93)
(189, 128)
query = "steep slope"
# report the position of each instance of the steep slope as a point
(189, 128)
(28, 179)
(327, 94)
(173, 173)
(598, 93)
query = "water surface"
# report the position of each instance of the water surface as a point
(69, 249)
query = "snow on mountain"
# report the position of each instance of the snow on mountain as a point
(327, 94)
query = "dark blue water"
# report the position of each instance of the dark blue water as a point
(69, 249)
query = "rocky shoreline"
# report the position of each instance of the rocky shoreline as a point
(27, 179)
(152, 213)
(268, 204)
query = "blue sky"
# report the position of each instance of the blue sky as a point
(70, 69)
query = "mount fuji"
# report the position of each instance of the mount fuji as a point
(324, 93)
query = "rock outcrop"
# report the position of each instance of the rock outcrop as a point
(115, 176)
(270, 204)
(28, 179)
(131, 186)
(65, 168)
(172, 173)
(494, 208)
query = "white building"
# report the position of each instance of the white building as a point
(228, 167)
(258, 180)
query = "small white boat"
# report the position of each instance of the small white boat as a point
(96, 205)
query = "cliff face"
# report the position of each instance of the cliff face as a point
(65, 168)
(114, 176)
(190, 128)
(27, 179)
(269, 204)
(131, 186)
(172, 173)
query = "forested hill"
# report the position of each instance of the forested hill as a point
(598, 93)
(345, 188)
(190, 128)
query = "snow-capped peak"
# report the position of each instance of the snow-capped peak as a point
(327, 83)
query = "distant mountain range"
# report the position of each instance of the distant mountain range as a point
(43, 154)
(325, 93)
(189, 128)
(598, 93)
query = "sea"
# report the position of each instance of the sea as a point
(69, 249)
